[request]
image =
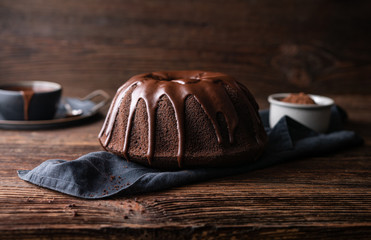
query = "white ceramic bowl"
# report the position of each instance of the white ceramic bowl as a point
(315, 116)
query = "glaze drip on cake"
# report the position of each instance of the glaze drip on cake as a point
(206, 87)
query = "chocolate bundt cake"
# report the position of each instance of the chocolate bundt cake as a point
(184, 119)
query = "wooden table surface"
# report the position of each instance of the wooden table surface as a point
(320, 47)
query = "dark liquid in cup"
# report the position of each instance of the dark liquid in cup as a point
(27, 93)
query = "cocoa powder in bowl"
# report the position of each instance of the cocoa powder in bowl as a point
(298, 98)
(315, 116)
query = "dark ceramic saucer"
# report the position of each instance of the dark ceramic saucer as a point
(70, 111)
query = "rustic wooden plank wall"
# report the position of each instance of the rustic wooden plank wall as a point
(273, 46)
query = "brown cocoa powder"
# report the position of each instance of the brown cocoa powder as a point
(298, 98)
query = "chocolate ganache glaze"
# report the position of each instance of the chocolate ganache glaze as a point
(208, 88)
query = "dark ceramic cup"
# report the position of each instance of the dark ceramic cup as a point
(29, 100)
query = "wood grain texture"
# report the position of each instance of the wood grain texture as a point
(321, 47)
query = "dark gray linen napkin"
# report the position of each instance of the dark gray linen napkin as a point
(102, 174)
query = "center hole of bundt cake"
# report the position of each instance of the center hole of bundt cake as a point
(177, 79)
(157, 77)
(186, 80)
